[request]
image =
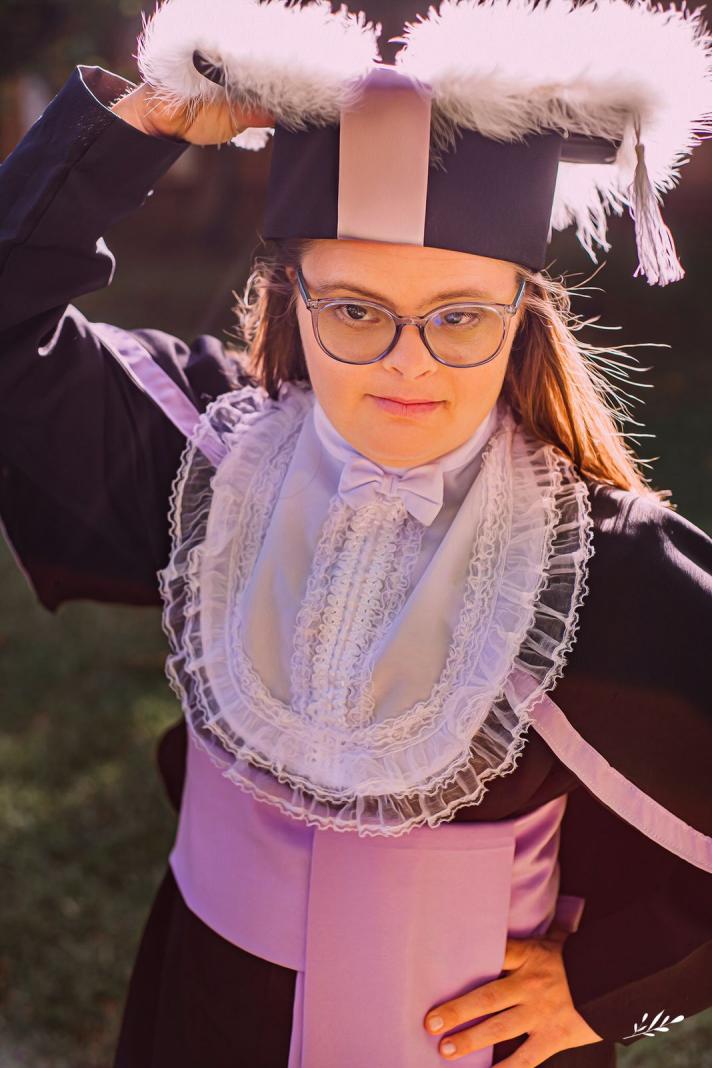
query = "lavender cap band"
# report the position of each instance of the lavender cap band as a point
(384, 144)
(371, 178)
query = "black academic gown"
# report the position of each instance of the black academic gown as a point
(86, 465)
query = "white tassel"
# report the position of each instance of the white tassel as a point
(657, 256)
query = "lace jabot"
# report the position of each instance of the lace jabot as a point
(352, 665)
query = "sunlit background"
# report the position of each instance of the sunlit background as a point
(85, 829)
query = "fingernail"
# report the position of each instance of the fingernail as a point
(448, 1047)
(435, 1023)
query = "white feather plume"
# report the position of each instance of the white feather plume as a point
(508, 69)
(291, 61)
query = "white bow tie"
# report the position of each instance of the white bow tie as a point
(421, 489)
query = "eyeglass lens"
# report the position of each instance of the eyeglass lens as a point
(359, 333)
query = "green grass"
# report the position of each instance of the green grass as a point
(85, 828)
(687, 1045)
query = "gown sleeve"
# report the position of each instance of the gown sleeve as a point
(86, 458)
(645, 950)
(651, 956)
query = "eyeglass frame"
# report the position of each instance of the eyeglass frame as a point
(315, 305)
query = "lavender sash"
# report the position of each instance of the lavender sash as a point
(378, 929)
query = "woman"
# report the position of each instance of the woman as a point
(301, 448)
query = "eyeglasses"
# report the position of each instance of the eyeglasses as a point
(467, 334)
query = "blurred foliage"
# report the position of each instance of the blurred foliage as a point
(50, 36)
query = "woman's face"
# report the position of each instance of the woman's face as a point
(409, 280)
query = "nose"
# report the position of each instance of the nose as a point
(410, 355)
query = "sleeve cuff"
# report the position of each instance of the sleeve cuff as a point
(101, 166)
(128, 155)
(106, 87)
(617, 1008)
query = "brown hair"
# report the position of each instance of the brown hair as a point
(553, 381)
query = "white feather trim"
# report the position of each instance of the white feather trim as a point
(508, 69)
(294, 62)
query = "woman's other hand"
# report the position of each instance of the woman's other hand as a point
(533, 999)
(210, 124)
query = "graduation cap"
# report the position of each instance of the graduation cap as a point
(498, 122)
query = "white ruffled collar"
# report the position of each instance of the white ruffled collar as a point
(354, 667)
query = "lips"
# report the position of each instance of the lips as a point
(405, 400)
(407, 409)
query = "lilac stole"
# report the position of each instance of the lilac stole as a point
(379, 929)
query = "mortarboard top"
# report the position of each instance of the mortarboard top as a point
(498, 123)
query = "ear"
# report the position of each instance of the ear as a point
(291, 274)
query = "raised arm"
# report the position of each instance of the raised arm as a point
(86, 457)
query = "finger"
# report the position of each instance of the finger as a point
(208, 69)
(490, 997)
(497, 1028)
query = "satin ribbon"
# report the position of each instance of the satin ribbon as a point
(420, 488)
